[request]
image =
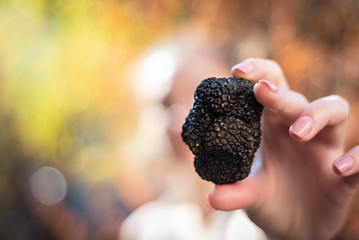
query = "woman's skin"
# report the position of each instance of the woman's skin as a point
(302, 181)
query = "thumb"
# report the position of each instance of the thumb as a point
(228, 197)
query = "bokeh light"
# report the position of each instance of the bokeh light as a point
(48, 185)
(154, 74)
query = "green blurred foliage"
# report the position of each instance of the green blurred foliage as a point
(63, 74)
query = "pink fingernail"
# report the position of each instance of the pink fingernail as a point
(244, 67)
(209, 205)
(344, 164)
(302, 126)
(272, 87)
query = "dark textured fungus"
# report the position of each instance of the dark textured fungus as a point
(223, 129)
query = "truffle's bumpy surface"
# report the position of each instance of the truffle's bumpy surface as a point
(223, 129)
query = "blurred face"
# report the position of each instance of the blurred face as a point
(180, 99)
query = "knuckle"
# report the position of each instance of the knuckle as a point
(335, 97)
(356, 150)
(254, 61)
(251, 60)
(275, 65)
(331, 99)
(302, 98)
(343, 103)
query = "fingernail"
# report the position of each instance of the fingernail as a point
(344, 164)
(209, 205)
(244, 67)
(271, 86)
(302, 126)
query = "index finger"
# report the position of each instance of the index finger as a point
(255, 69)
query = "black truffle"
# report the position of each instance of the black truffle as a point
(223, 129)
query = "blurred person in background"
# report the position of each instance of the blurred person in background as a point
(180, 212)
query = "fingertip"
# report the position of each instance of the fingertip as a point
(271, 86)
(266, 93)
(256, 68)
(344, 166)
(296, 138)
(228, 197)
(347, 166)
(242, 69)
(301, 128)
(208, 202)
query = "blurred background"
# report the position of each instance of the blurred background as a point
(82, 85)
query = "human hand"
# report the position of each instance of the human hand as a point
(302, 182)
